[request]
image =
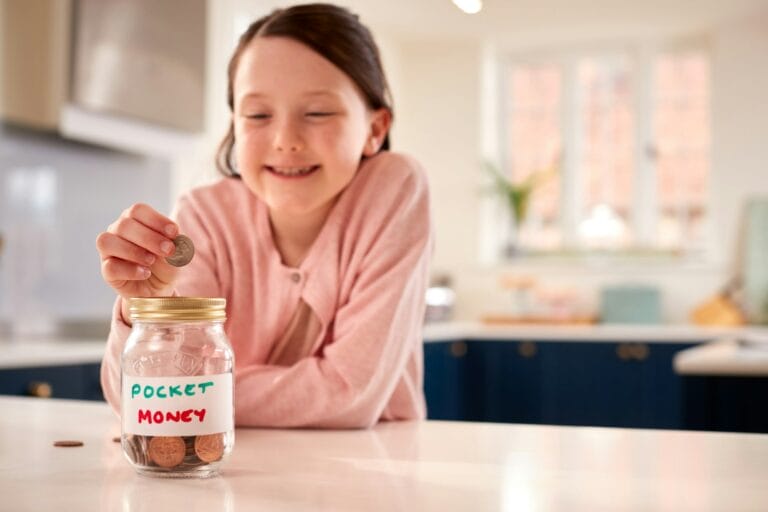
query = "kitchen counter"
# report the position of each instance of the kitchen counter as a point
(49, 352)
(449, 331)
(419, 466)
(728, 357)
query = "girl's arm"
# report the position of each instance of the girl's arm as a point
(198, 278)
(374, 333)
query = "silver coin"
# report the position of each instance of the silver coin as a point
(185, 249)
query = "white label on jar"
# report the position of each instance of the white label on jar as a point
(177, 406)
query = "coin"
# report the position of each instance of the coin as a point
(167, 452)
(209, 448)
(185, 249)
(67, 444)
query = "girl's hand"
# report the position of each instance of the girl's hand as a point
(133, 251)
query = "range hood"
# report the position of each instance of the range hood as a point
(127, 74)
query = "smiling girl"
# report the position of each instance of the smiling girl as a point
(318, 236)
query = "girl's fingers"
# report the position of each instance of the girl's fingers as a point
(111, 245)
(115, 270)
(142, 236)
(134, 249)
(151, 218)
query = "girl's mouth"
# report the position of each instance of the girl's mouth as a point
(292, 172)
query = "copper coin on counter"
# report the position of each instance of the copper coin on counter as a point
(209, 448)
(167, 452)
(184, 252)
(67, 444)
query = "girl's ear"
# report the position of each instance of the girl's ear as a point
(381, 120)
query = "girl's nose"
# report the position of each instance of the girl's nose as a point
(288, 139)
(291, 148)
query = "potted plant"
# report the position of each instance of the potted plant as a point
(517, 194)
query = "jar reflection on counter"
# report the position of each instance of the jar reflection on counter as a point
(177, 387)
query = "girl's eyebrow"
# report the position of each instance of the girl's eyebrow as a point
(255, 95)
(321, 92)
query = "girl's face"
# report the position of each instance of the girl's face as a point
(301, 126)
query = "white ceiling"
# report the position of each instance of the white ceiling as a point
(508, 18)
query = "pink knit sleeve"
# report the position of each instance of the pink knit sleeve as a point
(110, 364)
(196, 279)
(349, 384)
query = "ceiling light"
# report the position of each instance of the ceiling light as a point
(469, 6)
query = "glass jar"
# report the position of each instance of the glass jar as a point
(177, 405)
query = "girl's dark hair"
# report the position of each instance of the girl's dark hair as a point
(333, 32)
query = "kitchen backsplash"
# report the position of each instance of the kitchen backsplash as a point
(56, 196)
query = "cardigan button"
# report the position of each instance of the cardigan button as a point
(295, 277)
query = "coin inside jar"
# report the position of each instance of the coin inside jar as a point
(183, 253)
(167, 452)
(209, 448)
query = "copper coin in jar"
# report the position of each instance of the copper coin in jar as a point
(209, 448)
(167, 452)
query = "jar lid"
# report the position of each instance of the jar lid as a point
(177, 308)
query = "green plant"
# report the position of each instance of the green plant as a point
(518, 195)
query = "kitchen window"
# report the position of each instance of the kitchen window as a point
(617, 147)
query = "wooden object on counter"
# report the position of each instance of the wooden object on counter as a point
(718, 310)
(723, 309)
(535, 320)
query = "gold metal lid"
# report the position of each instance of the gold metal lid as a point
(177, 308)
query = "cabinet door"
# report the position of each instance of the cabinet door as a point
(445, 383)
(590, 384)
(510, 381)
(663, 388)
(725, 403)
(80, 382)
(623, 384)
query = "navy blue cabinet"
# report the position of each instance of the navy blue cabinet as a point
(726, 404)
(611, 384)
(80, 381)
(588, 384)
(551, 382)
(446, 380)
(510, 384)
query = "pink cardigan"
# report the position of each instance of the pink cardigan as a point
(364, 278)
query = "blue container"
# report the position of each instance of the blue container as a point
(630, 304)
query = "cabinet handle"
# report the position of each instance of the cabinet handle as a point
(458, 349)
(527, 349)
(640, 351)
(633, 351)
(40, 389)
(624, 351)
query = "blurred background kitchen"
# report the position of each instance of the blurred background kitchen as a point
(597, 167)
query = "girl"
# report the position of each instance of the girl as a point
(318, 237)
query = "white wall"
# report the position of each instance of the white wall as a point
(438, 105)
(437, 121)
(56, 196)
(740, 120)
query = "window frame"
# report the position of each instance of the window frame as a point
(642, 220)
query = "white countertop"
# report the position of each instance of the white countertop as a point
(49, 352)
(420, 466)
(600, 332)
(727, 357)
